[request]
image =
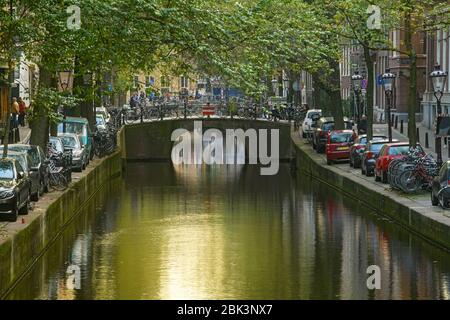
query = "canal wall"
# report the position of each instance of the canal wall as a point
(151, 141)
(430, 223)
(26, 243)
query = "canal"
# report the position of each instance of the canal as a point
(225, 232)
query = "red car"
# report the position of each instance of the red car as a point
(389, 152)
(338, 145)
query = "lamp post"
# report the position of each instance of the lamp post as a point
(286, 86)
(274, 86)
(388, 86)
(357, 85)
(65, 80)
(438, 78)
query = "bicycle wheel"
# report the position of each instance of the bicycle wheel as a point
(409, 181)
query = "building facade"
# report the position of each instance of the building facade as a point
(438, 46)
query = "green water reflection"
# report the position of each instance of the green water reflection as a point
(228, 233)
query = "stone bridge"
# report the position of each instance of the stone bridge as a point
(151, 141)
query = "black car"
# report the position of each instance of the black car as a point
(39, 162)
(24, 159)
(15, 190)
(440, 188)
(357, 149)
(322, 128)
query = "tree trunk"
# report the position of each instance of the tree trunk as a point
(335, 95)
(369, 93)
(7, 128)
(40, 123)
(412, 94)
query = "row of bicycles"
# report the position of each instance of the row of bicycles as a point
(161, 111)
(413, 172)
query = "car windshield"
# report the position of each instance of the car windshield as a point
(6, 170)
(57, 145)
(341, 137)
(100, 120)
(399, 150)
(312, 114)
(32, 152)
(73, 127)
(376, 147)
(363, 140)
(20, 158)
(328, 126)
(70, 142)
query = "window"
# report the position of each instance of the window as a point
(341, 137)
(165, 82)
(149, 81)
(6, 171)
(184, 82)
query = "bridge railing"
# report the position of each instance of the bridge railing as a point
(165, 111)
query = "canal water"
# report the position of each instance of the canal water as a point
(226, 232)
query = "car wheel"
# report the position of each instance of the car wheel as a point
(14, 214)
(351, 163)
(363, 172)
(434, 200)
(26, 208)
(303, 135)
(35, 197)
(329, 162)
(384, 178)
(314, 146)
(377, 178)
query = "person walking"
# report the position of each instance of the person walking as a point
(22, 112)
(15, 109)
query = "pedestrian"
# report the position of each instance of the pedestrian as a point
(22, 112)
(362, 125)
(15, 112)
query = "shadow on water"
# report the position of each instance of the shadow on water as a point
(225, 232)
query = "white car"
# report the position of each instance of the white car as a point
(306, 126)
(102, 110)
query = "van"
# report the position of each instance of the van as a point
(79, 126)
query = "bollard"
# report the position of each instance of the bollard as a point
(418, 135)
(401, 126)
(427, 144)
(396, 122)
(392, 119)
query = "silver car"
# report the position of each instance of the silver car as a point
(80, 157)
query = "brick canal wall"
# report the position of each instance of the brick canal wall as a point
(426, 222)
(21, 249)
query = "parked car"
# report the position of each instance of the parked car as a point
(25, 161)
(100, 122)
(387, 153)
(321, 130)
(104, 112)
(306, 125)
(15, 188)
(38, 160)
(80, 127)
(370, 154)
(338, 145)
(358, 147)
(440, 188)
(80, 156)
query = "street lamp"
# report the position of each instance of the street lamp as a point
(274, 85)
(286, 86)
(65, 80)
(357, 80)
(388, 86)
(438, 78)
